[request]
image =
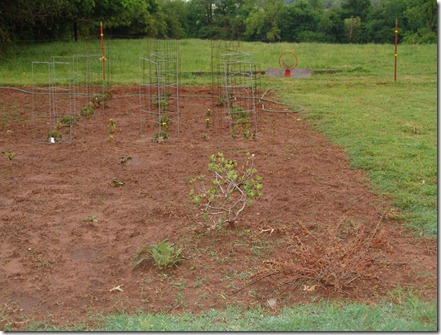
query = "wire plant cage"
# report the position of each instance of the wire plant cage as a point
(64, 89)
(159, 91)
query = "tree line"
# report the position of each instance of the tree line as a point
(329, 21)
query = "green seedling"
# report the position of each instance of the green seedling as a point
(116, 182)
(92, 218)
(111, 126)
(124, 159)
(9, 155)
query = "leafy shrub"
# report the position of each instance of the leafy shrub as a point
(230, 190)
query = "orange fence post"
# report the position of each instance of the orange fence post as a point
(396, 49)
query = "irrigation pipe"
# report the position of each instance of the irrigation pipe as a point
(19, 89)
(261, 99)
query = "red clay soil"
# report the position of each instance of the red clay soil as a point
(317, 232)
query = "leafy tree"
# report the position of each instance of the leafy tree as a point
(354, 14)
(262, 24)
(356, 8)
(37, 19)
(317, 5)
(298, 22)
(422, 20)
(354, 28)
(200, 18)
(332, 27)
(125, 16)
(377, 29)
(79, 11)
(228, 19)
(175, 17)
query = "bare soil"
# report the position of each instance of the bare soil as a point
(317, 232)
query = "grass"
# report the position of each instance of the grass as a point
(408, 313)
(311, 317)
(389, 129)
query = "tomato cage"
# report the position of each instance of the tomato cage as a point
(233, 90)
(63, 90)
(239, 95)
(52, 101)
(159, 91)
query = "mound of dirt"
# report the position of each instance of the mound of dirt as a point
(69, 238)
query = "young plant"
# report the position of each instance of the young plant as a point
(160, 137)
(87, 111)
(9, 155)
(99, 100)
(116, 182)
(68, 121)
(208, 121)
(54, 136)
(165, 122)
(241, 122)
(92, 218)
(231, 189)
(162, 105)
(111, 126)
(163, 254)
(125, 159)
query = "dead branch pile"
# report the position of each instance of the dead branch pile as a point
(330, 257)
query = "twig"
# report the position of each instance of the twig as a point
(355, 278)
(257, 280)
(379, 221)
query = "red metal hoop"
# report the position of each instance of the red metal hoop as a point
(288, 60)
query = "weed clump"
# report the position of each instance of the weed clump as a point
(163, 254)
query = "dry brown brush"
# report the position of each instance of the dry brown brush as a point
(331, 257)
